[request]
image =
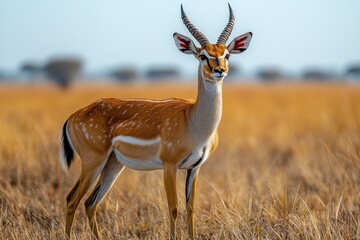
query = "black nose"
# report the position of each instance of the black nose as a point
(220, 70)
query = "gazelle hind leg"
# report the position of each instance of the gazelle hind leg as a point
(89, 173)
(170, 188)
(190, 194)
(107, 178)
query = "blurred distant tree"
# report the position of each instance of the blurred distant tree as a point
(125, 74)
(63, 70)
(31, 69)
(353, 72)
(162, 73)
(316, 74)
(270, 74)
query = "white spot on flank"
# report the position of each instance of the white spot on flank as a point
(85, 132)
(135, 114)
(136, 141)
(167, 122)
(169, 144)
(111, 119)
(124, 112)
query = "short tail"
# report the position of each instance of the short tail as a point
(67, 150)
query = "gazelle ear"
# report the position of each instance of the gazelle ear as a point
(240, 43)
(184, 44)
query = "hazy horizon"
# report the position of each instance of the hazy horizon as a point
(289, 35)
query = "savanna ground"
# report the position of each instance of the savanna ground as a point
(287, 167)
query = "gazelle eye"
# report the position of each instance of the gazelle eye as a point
(202, 57)
(227, 56)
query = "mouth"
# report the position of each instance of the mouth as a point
(217, 77)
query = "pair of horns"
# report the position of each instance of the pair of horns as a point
(200, 37)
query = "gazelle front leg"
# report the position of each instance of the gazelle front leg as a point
(170, 188)
(190, 193)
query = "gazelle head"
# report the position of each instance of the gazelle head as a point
(213, 58)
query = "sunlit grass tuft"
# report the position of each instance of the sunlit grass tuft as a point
(287, 167)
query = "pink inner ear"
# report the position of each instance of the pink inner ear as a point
(240, 42)
(183, 40)
(239, 45)
(241, 39)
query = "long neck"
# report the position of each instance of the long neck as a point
(206, 114)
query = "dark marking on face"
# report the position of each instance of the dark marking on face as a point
(208, 63)
(217, 61)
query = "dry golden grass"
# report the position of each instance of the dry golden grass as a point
(287, 167)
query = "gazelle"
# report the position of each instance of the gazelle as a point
(143, 134)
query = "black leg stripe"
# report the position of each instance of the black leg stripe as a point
(93, 197)
(189, 182)
(73, 190)
(187, 185)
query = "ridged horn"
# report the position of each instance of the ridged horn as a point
(228, 29)
(199, 36)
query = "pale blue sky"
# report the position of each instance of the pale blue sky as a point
(287, 33)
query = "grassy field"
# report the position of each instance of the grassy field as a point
(287, 167)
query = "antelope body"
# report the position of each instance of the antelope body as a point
(144, 134)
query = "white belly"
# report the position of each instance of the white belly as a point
(136, 164)
(138, 154)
